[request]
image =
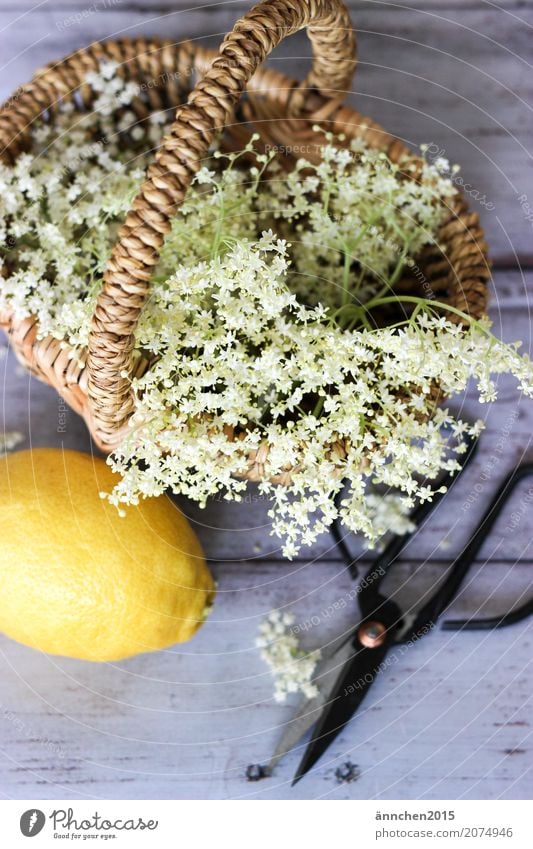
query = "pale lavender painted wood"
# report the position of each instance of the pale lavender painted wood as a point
(456, 76)
(240, 6)
(451, 718)
(441, 722)
(184, 723)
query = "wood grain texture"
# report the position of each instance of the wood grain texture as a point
(456, 76)
(510, 7)
(451, 717)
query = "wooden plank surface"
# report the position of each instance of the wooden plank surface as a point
(171, 725)
(451, 718)
(456, 76)
(508, 7)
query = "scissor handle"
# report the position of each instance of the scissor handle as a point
(492, 622)
(431, 611)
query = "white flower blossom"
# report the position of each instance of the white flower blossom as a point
(10, 440)
(292, 669)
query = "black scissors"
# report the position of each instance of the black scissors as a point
(350, 664)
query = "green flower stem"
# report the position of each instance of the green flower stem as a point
(219, 224)
(393, 279)
(346, 278)
(318, 407)
(349, 257)
(427, 304)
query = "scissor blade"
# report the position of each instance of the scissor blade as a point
(351, 687)
(333, 660)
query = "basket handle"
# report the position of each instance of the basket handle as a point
(196, 124)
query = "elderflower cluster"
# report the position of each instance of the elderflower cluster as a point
(9, 440)
(62, 203)
(265, 325)
(292, 669)
(243, 367)
(355, 218)
(389, 514)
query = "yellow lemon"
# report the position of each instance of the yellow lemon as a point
(76, 579)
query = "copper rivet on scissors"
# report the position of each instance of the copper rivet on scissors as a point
(372, 634)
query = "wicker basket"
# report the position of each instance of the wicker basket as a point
(281, 110)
